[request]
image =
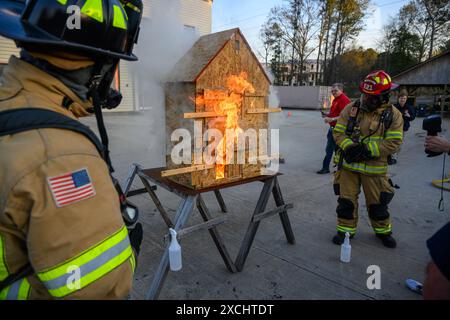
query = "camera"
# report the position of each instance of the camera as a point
(432, 124)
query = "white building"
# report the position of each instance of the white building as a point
(311, 71)
(195, 16)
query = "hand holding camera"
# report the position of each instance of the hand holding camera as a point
(437, 144)
(434, 145)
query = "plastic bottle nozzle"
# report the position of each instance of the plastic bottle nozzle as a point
(347, 239)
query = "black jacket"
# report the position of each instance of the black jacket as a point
(406, 120)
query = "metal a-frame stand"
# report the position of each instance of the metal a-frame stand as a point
(191, 198)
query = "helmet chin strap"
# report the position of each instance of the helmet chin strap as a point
(94, 92)
(98, 91)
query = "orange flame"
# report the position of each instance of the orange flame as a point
(326, 106)
(331, 100)
(226, 103)
(327, 102)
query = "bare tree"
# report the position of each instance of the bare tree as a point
(307, 30)
(298, 22)
(268, 36)
(282, 17)
(347, 23)
(328, 16)
(438, 14)
(325, 17)
(415, 18)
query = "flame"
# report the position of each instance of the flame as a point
(327, 102)
(228, 106)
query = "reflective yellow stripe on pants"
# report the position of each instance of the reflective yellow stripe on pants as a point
(344, 229)
(90, 265)
(385, 230)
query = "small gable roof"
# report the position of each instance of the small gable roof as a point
(197, 59)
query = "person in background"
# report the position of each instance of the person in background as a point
(408, 114)
(339, 103)
(367, 132)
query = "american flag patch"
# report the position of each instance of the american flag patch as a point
(71, 187)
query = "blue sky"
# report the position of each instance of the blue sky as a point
(249, 15)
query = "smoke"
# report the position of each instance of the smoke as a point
(275, 119)
(275, 122)
(163, 41)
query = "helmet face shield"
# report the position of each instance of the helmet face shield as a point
(371, 102)
(134, 10)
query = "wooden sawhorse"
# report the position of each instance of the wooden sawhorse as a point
(191, 198)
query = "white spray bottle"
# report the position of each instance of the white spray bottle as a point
(174, 252)
(346, 249)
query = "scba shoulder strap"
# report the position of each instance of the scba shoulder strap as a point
(387, 117)
(26, 119)
(354, 111)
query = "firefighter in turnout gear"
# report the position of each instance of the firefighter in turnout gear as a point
(62, 235)
(367, 132)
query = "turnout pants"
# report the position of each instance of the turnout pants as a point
(378, 192)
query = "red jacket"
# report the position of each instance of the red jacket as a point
(337, 106)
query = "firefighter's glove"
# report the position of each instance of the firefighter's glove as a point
(357, 152)
(136, 234)
(366, 154)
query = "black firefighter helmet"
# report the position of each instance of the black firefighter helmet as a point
(108, 28)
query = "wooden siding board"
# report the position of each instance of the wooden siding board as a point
(7, 49)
